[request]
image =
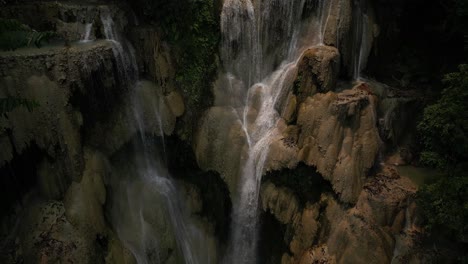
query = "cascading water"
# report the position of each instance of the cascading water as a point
(324, 12)
(140, 184)
(362, 31)
(87, 34)
(262, 44)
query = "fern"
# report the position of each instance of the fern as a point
(14, 34)
(9, 103)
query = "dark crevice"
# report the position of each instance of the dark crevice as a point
(213, 190)
(18, 177)
(304, 181)
(272, 243)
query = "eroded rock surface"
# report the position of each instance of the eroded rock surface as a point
(51, 77)
(328, 231)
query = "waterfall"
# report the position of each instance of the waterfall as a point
(87, 35)
(324, 11)
(124, 53)
(262, 43)
(362, 31)
(146, 208)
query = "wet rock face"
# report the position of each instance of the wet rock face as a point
(154, 57)
(220, 144)
(69, 20)
(50, 77)
(333, 131)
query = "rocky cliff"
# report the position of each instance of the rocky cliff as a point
(350, 206)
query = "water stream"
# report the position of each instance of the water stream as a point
(87, 34)
(148, 212)
(361, 46)
(262, 44)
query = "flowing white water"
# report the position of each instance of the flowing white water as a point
(87, 35)
(144, 182)
(324, 10)
(123, 50)
(261, 46)
(362, 30)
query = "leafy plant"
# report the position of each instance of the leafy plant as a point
(9, 103)
(444, 135)
(14, 34)
(192, 28)
(444, 128)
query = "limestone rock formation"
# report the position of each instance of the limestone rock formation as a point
(335, 132)
(68, 19)
(55, 77)
(220, 144)
(352, 28)
(330, 232)
(339, 136)
(154, 57)
(76, 229)
(317, 71)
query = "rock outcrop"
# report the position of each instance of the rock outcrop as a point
(87, 111)
(68, 19)
(75, 229)
(221, 144)
(340, 137)
(51, 77)
(352, 28)
(330, 232)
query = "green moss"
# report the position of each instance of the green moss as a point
(297, 84)
(192, 29)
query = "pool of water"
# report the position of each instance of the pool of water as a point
(419, 175)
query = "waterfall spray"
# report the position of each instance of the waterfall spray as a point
(146, 181)
(262, 45)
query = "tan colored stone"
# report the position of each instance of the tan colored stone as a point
(342, 143)
(221, 144)
(176, 103)
(317, 71)
(290, 109)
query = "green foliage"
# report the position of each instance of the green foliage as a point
(9, 103)
(444, 136)
(14, 34)
(196, 34)
(445, 124)
(192, 28)
(445, 206)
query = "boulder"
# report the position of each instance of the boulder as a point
(221, 144)
(318, 71)
(339, 136)
(55, 78)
